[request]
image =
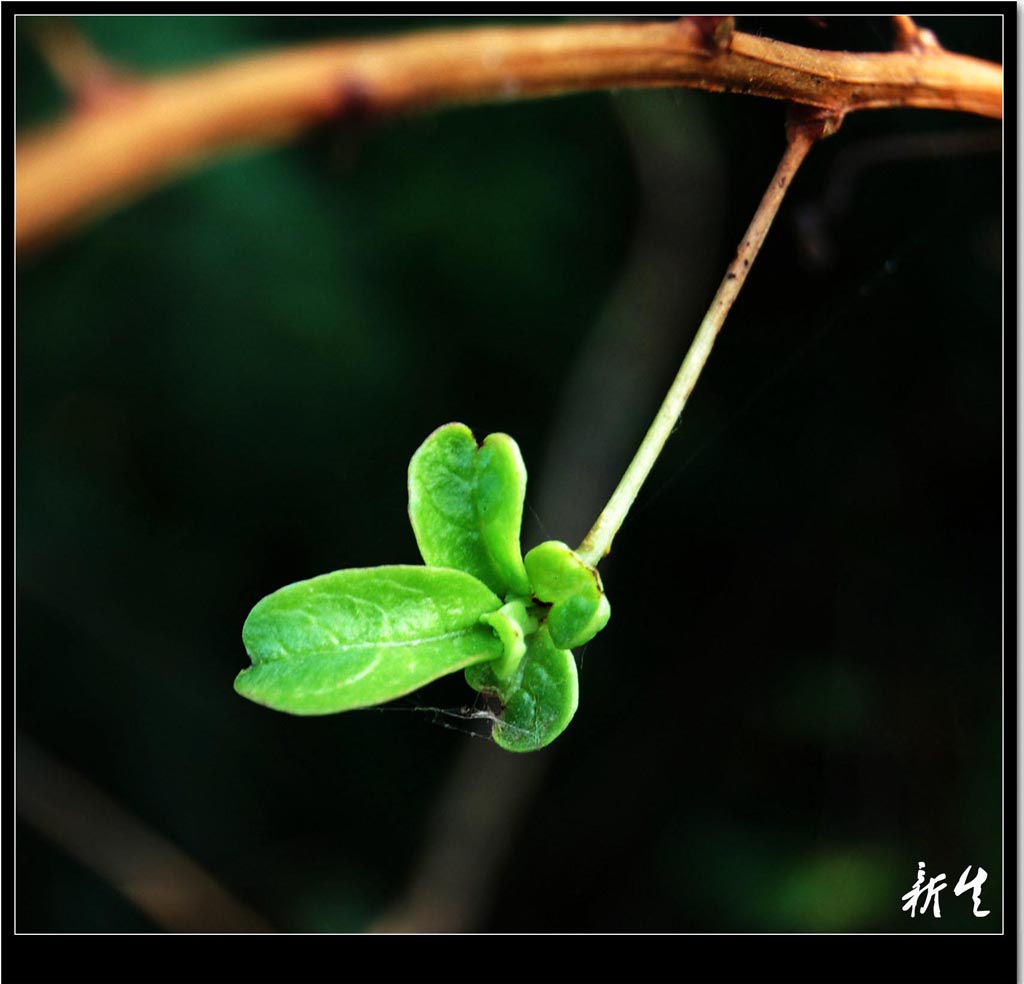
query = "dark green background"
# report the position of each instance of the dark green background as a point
(219, 387)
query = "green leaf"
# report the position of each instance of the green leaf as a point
(539, 703)
(579, 608)
(363, 636)
(466, 506)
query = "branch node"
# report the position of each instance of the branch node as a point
(354, 101)
(710, 34)
(811, 123)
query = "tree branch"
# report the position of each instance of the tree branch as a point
(92, 158)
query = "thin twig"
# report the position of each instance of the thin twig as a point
(597, 543)
(87, 161)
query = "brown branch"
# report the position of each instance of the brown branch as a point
(83, 163)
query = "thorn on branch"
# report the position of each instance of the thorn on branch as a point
(914, 39)
(712, 34)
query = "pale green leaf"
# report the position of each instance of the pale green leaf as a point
(359, 637)
(466, 506)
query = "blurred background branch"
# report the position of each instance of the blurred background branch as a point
(158, 877)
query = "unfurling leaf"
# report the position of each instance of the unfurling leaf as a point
(466, 506)
(513, 624)
(579, 608)
(363, 636)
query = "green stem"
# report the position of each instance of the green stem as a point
(598, 541)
